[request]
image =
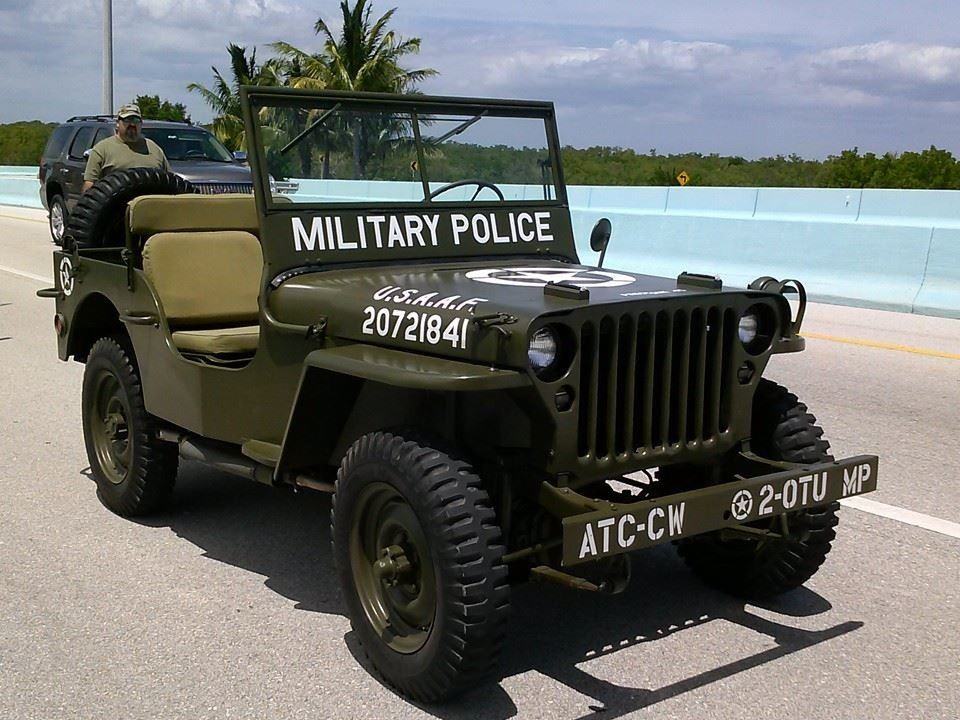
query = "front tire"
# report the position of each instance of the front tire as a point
(133, 469)
(420, 562)
(754, 567)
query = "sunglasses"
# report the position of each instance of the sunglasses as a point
(131, 120)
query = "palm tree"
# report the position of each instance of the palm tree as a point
(365, 56)
(224, 97)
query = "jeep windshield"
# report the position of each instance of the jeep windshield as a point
(188, 144)
(383, 178)
(344, 150)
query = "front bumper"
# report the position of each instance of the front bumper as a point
(593, 529)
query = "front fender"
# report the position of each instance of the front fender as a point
(331, 385)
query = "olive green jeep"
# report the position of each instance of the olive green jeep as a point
(414, 332)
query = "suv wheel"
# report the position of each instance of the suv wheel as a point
(420, 561)
(58, 219)
(762, 567)
(133, 469)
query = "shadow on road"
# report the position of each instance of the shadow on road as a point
(285, 537)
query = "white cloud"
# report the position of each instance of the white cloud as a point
(189, 11)
(622, 59)
(882, 68)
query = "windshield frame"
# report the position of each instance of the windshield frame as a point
(255, 98)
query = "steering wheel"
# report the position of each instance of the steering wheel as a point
(481, 184)
(193, 152)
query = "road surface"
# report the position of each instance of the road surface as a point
(226, 607)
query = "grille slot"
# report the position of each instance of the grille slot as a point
(651, 381)
(220, 188)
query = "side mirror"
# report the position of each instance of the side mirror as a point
(600, 238)
(86, 153)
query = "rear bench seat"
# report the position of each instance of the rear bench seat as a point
(205, 263)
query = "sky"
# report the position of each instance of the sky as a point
(743, 78)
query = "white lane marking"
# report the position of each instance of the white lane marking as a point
(927, 522)
(29, 276)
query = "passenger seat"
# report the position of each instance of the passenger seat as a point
(208, 283)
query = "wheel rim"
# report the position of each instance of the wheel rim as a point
(110, 427)
(392, 571)
(57, 220)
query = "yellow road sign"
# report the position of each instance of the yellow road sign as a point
(683, 178)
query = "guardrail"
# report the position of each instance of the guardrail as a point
(19, 186)
(889, 249)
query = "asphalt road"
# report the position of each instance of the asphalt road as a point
(227, 606)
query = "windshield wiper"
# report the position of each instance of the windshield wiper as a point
(313, 126)
(459, 128)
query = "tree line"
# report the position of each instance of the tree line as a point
(367, 55)
(21, 143)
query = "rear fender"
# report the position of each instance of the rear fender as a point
(94, 318)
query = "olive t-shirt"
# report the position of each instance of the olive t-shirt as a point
(112, 154)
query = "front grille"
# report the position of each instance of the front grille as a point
(220, 188)
(650, 381)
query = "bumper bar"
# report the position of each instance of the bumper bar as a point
(593, 529)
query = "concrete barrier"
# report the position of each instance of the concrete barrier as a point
(888, 249)
(19, 186)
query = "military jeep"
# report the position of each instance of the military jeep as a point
(413, 331)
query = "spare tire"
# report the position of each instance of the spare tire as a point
(97, 219)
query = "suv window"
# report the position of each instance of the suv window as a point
(56, 142)
(83, 141)
(102, 134)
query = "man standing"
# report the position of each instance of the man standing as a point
(126, 149)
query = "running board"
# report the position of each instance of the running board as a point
(223, 457)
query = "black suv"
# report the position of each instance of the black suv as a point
(193, 153)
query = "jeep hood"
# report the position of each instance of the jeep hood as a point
(392, 305)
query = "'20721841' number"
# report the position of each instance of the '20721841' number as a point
(413, 326)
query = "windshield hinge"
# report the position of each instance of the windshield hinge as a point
(317, 330)
(496, 321)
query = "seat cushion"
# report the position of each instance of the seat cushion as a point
(219, 341)
(205, 278)
(149, 214)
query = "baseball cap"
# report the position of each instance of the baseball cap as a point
(130, 110)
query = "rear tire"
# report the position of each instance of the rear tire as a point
(97, 220)
(420, 562)
(133, 469)
(58, 219)
(755, 568)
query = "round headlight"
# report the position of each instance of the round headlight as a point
(757, 328)
(748, 328)
(542, 351)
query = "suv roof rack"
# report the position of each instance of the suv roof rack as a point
(99, 118)
(111, 118)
